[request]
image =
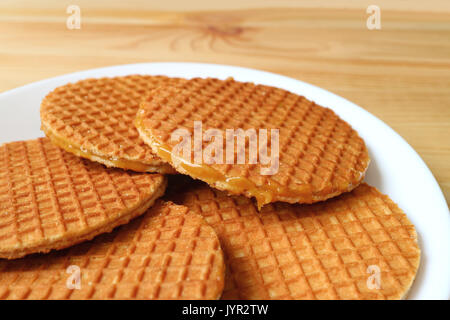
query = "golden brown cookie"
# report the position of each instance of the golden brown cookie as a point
(168, 253)
(93, 119)
(319, 156)
(359, 245)
(51, 199)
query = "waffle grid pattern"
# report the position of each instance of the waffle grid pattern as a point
(96, 116)
(320, 154)
(48, 195)
(169, 253)
(319, 251)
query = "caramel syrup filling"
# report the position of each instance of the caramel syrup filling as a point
(238, 185)
(108, 161)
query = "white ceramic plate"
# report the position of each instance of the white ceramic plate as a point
(395, 169)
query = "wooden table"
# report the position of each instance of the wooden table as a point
(400, 73)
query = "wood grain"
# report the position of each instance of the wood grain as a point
(400, 73)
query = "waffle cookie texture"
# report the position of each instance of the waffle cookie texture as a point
(359, 245)
(51, 199)
(168, 253)
(93, 119)
(320, 156)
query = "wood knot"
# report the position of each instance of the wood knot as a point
(224, 30)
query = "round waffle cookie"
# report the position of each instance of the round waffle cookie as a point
(168, 253)
(359, 245)
(318, 155)
(51, 199)
(93, 119)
